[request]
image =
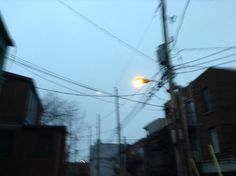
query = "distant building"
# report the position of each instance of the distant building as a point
(135, 158)
(31, 150)
(210, 111)
(106, 161)
(5, 42)
(19, 101)
(159, 151)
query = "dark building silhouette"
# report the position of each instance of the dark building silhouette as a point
(19, 101)
(5, 42)
(159, 151)
(31, 150)
(77, 169)
(26, 148)
(135, 159)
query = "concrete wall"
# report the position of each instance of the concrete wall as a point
(108, 159)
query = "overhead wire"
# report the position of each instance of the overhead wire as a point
(143, 35)
(216, 59)
(202, 67)
(208, 61)
(204, 57)
(138, 107)
(181, 22)
(122, 105)
(205, 48)
(105, 31)
(86, 95)
(14, 54)
(68, 80)
(58, 84)
(55, 75)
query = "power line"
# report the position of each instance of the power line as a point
(202, 68)
(204, 57)
(53, 82)
(205, 48)
(146, 92)
(213, 60)
(68, 80)
(143, 36)
(139, 107)
(209, 61)
(105, 31)
(55, 75)
(181, 21)
(86, 95)
(136, 110)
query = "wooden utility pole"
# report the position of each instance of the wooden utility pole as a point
(90, 139)
(118, 125)
(183, 168)
(170, 76)
(98, 145)
(125, 157)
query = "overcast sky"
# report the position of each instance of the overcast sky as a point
(102, 52)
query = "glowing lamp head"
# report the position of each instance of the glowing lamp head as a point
(139, 81)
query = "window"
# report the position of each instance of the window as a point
(6, 143)
(214, 140)
(190, 112)
(2, 53)
(31, 109)
(206, 100)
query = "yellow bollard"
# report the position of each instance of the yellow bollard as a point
(216, 163)
(195, 167)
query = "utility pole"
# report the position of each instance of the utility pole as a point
(98, 145)
(90, 139)
(176, 124)
(118, 125)
(125, 157)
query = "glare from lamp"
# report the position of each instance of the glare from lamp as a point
(139, 81)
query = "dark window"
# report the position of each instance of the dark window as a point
(214, 139)
(6, 143)
(44, 145)
(190, 112)
(31, 108)
(206, 100)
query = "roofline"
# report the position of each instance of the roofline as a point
(5, 33)
(211, 69)
(32, 127)
(26, 79)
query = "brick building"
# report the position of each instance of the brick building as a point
(26, 148)
(211, 109)
(19, 101)
(210, 113)
(31, 150)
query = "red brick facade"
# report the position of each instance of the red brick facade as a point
(221, 87)
(14, 100)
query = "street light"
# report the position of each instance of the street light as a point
(139, 81)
